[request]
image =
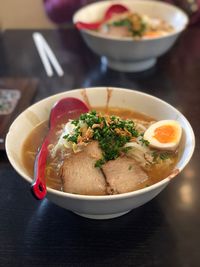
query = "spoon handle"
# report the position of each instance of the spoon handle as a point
(38, 187)
(113, 9)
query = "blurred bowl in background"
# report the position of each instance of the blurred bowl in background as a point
(125, 53)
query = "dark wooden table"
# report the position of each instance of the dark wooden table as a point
(165, 231)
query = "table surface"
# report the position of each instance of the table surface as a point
(165, 231)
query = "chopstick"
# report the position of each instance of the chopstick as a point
(47, 56)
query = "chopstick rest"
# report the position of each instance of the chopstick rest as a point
(47, 56)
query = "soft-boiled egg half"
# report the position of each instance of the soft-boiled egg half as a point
(165, 134)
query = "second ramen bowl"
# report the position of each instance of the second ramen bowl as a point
(125, 53)
(110, 206)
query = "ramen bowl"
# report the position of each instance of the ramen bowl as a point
(125, 53)
(109, 206)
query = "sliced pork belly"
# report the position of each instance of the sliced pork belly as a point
(123, 175)
(79, 174)
(119, 31)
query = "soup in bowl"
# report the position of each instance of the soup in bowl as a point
(110, 160)
(131, 42)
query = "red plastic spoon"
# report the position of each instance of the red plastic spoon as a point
(113, 9)
(70, 108)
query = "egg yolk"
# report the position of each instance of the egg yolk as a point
(165, 134)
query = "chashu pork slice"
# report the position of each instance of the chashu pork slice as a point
(80, 176)
(123, 175)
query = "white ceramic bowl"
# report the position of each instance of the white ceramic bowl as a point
(100, 207)
(126, 54)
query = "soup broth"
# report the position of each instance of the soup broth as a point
(155, 172)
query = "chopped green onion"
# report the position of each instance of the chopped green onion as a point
(112, 134)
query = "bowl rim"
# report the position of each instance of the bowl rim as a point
(131, 39)
(104, 197)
